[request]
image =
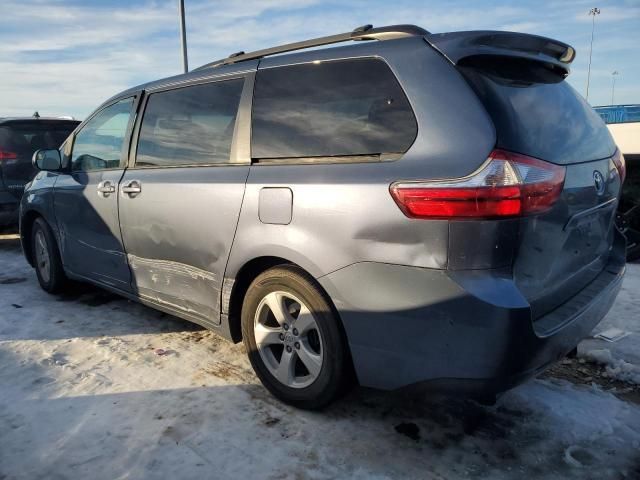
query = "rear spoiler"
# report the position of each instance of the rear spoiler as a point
(456, 46)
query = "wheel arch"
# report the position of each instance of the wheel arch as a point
(26, 229)
(234, 291)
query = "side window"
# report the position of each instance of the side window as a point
(333, 108)
(190, 125)
(99, 144)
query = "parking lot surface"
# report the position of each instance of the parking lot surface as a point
(96, 386)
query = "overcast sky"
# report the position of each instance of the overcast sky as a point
(66, 57)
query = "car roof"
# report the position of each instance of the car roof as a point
(7, 120)
(188, 77)
(369, 48)
(299, 55)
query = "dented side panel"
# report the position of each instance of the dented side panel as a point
(178, 232)
(175, 285)
(342, 212)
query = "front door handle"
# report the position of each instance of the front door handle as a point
(132, 188)
(106, 188)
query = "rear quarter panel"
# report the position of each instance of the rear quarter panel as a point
(343, 212)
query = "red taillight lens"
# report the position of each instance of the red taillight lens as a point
(418, 202)
(4, 155)
(621, 165)
(507, 185)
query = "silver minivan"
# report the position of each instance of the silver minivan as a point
(409, 208)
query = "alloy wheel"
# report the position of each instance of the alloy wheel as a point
(43, 262)
(288, 339)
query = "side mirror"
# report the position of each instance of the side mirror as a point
(47, 159)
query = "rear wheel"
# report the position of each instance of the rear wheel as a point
(293, 338)
(46, 257)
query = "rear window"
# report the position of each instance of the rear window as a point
(330, 109)
(27, 137)
(536, 112)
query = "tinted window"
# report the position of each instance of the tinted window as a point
(24, 138)
(346, 107)
(619, 113)
(189, 126)
(98, 145)
(536, 112)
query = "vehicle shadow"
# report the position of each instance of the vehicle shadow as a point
(236, 429)
(89, 424)
(29, 313)
(66, 418)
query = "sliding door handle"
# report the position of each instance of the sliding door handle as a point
(132, 188)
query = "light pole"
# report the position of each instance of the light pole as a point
(183, 36)
(614, 74)
(593, 12)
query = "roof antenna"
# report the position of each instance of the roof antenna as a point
(36, 114)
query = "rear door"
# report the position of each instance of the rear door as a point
(86, 199)
(181, 197)
(537, 113)
(18, 140)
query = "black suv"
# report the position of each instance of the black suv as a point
(19, 138)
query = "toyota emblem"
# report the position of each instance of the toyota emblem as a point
(598, 181)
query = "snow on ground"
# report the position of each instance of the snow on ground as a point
(84, 395)
(621, 358)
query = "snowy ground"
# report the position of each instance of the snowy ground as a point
(83, 395)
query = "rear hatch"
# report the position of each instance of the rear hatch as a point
(538, 114)
(18, 140)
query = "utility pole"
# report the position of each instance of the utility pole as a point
(183, 36)
(614, 74)
(593, 12)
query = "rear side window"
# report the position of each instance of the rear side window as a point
(326, 109)
(189, 126)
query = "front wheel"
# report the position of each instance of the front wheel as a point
(46, 258)
(293, 338)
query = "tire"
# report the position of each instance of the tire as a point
(44, 247)
(317, 355)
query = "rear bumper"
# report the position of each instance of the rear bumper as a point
(467, 332)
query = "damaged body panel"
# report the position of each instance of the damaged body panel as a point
(178, 234)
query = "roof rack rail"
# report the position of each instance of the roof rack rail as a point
(365, 32)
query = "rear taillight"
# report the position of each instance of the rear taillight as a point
(4, 155)
(507, 185)
(621, 165)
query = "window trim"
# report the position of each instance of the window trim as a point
(338, 159)
(125, 144)
(241, 129)
(331, 159)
